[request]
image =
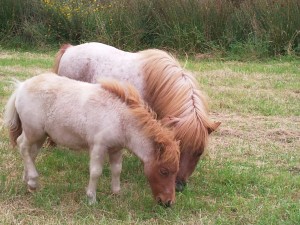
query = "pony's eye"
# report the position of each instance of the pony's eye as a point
(164, 172)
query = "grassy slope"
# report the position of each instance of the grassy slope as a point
(250, 175)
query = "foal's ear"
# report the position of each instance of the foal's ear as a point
(214, 126)
(160, 148)
(170, 121)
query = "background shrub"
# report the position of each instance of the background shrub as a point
(252, 28)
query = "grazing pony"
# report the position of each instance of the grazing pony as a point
(170, 91)
(102, 118)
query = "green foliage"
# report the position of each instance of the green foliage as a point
(241, 28)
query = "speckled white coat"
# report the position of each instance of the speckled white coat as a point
(92, 61)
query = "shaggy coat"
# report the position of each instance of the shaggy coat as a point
(172, 92)
(102, 118)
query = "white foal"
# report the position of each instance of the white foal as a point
(103, 118)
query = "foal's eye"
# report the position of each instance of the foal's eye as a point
(164, 171)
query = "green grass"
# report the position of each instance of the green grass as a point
(259, 88)
(251, 174)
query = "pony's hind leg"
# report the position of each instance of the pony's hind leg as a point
(29, 152)
(97, 154)
(115, 160)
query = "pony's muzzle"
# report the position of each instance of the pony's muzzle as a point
(180, 185)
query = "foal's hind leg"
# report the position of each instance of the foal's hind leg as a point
(115, 159)
(29, 152)
(97, 154)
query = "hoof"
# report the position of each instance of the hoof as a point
(116, 191)
(31, 189)
(92, 201)
(91, 197)
(32, 185)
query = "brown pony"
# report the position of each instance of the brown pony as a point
(171, 91)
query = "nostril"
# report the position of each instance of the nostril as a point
(158, 199)
(169, 203)
(164, 203)
(180, 185)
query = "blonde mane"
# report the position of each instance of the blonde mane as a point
(163, 137)
(174, 93)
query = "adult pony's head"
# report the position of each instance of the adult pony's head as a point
(161, 169)
(174, 95)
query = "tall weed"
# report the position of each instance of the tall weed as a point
(255, 28)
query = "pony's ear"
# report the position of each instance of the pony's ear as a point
(170, 121)
(213, 127)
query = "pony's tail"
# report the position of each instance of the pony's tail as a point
(11, 117)
(58, 56)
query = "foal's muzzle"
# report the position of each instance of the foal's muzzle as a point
(165, 204)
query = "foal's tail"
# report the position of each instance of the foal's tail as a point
(58, 56)
(11, 117)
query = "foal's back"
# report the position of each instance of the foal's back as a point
(71, 112)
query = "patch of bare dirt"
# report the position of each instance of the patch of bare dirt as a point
(295, 169)
(230, 132)
(248, 126)
(242, 136)
(283, 135)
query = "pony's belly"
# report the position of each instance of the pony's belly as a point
(66, 139)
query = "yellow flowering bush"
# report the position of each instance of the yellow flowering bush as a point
(69, 8)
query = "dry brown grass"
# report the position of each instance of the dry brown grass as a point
(281, 132)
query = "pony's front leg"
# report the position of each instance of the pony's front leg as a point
(28, 153)
(97, 154)
(115, 159)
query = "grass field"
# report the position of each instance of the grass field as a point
(251, 174)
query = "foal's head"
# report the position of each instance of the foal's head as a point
(162, 168)
(161, 172)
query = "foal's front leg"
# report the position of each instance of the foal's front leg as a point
(115, 160)
(97, 154)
